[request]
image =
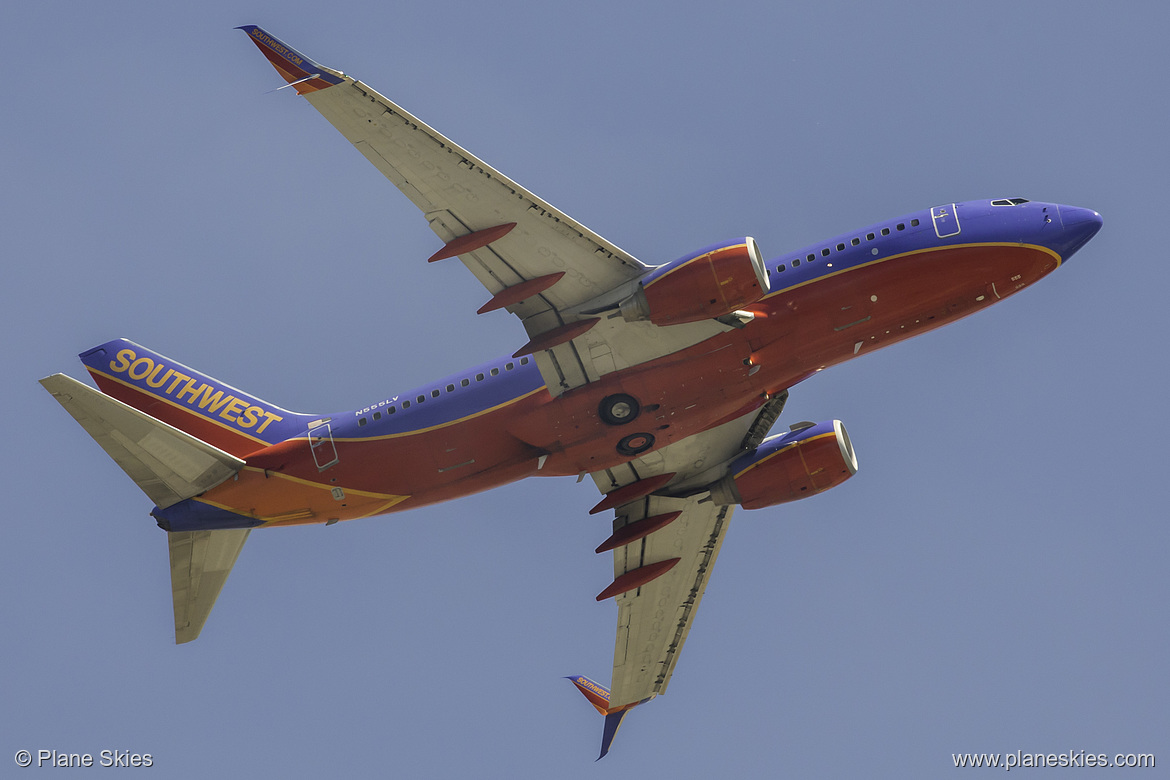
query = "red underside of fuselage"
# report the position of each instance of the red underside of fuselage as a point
(798, 331)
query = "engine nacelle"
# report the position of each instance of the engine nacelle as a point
(788, 467)
(710, 283)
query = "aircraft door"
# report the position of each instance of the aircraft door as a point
(321, 445)
(946, 220)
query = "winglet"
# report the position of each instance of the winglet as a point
(613, 721)
(598, 696)
(596, 693)
(301, 73)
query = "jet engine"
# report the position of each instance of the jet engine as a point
(793, 465)
(710, 283)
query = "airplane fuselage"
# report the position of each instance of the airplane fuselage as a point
(497, 423)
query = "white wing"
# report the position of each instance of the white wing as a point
(462, 196)
(654, 619)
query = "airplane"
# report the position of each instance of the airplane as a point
(661, 383)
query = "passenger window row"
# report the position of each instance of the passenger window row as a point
(841, 247)
(450, 388)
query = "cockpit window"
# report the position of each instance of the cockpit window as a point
(1009, 201)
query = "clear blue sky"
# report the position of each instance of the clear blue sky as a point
(994, 579)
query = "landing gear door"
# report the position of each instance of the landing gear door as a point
(321, 445)
(946, 220)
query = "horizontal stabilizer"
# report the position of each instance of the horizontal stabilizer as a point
(200, 564)
(168, 464)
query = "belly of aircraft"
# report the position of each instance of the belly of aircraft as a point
(866, 308)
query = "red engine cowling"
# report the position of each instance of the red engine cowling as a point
(709, 283)
(788, 467)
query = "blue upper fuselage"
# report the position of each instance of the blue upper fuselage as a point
(452, 398)
(1061, 229)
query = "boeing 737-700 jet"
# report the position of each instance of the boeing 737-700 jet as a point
(659, 382)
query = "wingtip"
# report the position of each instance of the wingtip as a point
(613, 721)
(596, 693)
(295, 68)
(599, 696)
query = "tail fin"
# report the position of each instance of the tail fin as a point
(170, 466)
(598, 696)
(206, 408)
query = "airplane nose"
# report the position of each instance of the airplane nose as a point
(1079, 225)
(1074, 218)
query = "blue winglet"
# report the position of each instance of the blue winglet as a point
(613, 722)
(598, 696)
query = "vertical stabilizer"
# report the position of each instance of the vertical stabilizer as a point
(205, 407)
